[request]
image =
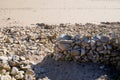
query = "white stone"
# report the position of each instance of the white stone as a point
(20, 75)
(14, 71)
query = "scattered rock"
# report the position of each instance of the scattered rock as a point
(14, 71)
(20, 75)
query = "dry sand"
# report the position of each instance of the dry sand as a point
(26, 12)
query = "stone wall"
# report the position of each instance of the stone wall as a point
(98, 49)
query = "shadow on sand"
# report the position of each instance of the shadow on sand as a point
(61, 70)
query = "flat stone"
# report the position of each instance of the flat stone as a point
(64, 47)
(33, 47)
(75, 53)
(25, 67)
(103, 52)
(78, 42)
(76, 47)
(65, 37)
(22, 58)
(65, 41)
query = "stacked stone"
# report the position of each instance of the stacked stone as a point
(15, 68)
(99, 48)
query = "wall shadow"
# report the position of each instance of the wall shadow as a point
(62, 70)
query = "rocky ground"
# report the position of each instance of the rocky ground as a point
(26, 52)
